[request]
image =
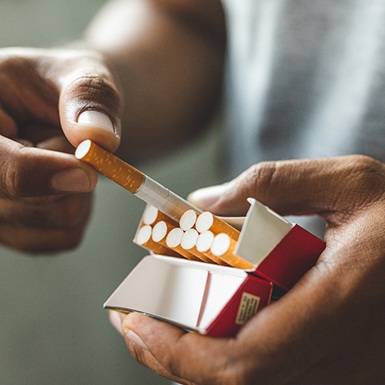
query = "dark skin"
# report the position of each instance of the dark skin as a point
(152, 72)
(146, 69)
(329, 329)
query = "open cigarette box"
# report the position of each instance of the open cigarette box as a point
(217, 300)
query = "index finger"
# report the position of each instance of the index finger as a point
(33, 172)
(300, 187)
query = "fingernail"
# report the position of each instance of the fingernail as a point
(74, 180)
(96, 119)
(133, 337)
(116, 321)
(206, 197)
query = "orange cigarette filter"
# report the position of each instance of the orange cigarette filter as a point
(203, 246)
(219, 261)
(173, 241)
(188, 243)
(110, 166)
(143, 239)
(223, 247)
(160, 233)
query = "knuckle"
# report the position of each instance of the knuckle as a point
(9, 63)
(364, 178)
(364, 170)
(17, 180)
(95, 92)
(261, 175)
(12, 181)
(14, 62)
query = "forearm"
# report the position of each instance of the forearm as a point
(168, 57)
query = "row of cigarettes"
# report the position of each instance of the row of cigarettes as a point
(197, 236)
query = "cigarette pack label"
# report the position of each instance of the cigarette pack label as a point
(247, 308)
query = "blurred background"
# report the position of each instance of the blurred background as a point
(53, 328)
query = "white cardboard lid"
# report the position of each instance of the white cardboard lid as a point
(187, 293)
(262, 230)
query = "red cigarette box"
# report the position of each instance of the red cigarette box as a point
(281, 251)
(218, 300)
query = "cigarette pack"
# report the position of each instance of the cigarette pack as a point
(217, 300)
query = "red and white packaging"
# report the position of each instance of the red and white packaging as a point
(281, 251)
(197, 296)
(218, 300)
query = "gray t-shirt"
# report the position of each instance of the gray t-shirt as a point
(306, 79)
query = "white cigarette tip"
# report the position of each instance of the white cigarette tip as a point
(174, 237)
(83, 149)
(220, 245)
(187, 220)
(159, 231)
(143, 235)
(150, 214)
(189, 239)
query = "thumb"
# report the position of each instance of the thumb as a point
(297, 187)
(90, 105)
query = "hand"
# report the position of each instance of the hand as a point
(49, 102)
(330, 328)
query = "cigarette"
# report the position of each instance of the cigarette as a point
(203, 245)
(173, 241)
(152, 215)
(133, 180)
(188, 219)
(160, 231)
(208, 221)
(188, 243)
(143, 239)
(160, 234)
(223, 247)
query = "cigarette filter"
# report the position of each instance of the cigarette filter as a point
(208, 221)
(152, 215)
(143, 238)
(223, 247)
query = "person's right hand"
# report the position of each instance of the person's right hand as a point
(329, 328)
(50, 101)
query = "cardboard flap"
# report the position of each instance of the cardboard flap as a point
(183, 292)
(262, 231)
(158, 287)
(220, 289)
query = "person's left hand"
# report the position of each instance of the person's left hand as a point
(330, 328)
